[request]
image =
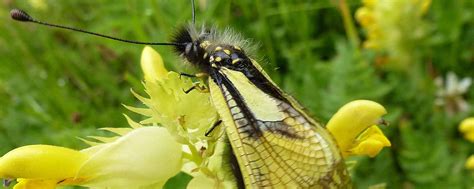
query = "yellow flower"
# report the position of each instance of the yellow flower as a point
(353, 127)
(370, 142)
(152, 65)
(393, 26)
(39, 4)
(186, 115)
(134, 159)
(425, 5)
(202, 181)
(365, 16)
(467, 128)
(370, 3)
(470, 163)
(43, 163)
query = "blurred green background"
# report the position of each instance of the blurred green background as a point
(58, 85)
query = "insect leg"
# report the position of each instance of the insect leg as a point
(198, 87)
(7, 182)
(198, 75)
(217, 123)
(383, 122)
(186, 74)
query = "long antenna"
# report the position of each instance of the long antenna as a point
(194, 12)
(22, 16)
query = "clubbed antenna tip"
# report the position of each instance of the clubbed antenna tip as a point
(20, 15)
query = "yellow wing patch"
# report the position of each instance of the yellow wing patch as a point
(261, 104)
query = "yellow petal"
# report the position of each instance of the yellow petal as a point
(39, 4)
(370, 3)
(425, 5)
(371, 45)
(152, 64)
(202, 181)
(364, 16)
(41, 162)
(371, 142)
(142, 157)
(35, 184)
(467, 128)
(351, 120)
(470, 163)
(368, 147)
(469, 136)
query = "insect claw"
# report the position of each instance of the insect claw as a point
(383, 122)
(198, 75)
(187, 75)
(7, 182)
(190, 89)
(208, 132)
(202, 75)
(202, 89)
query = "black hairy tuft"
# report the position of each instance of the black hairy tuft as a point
(182, 36)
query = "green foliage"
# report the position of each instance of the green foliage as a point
(179, 181)
(56, 85)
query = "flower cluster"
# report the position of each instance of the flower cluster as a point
(170, 140)
(392, 26)
(467, 129)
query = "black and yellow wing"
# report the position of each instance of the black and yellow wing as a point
(276, 144)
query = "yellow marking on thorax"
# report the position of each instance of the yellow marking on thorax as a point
(235, 61)
(263, 106)
(205, 44)
(237, 48)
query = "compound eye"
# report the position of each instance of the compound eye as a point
(189, 47)
(195, 48)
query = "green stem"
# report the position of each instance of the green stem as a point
(196, 157)
(349, 24)
(188, 156)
